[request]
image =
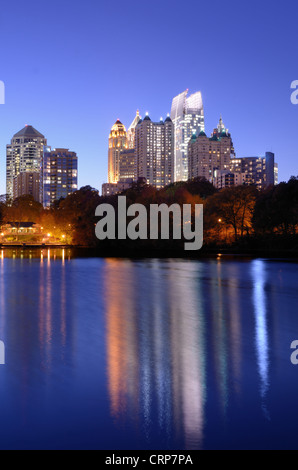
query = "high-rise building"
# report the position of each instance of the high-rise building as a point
(206, 155)
(117, 143)
(27, 184)
(154, 147)
(24, 155)
(131, 131)
(127, 165)
(187, 114)
(259, 171)
(276, 174)
(60, 174)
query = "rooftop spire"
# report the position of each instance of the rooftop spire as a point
(135, 121)
(221, 127)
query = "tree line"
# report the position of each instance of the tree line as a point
(240, 216)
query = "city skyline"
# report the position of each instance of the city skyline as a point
(128, 158)
(76, 105)
(156, 152)
(34, 168)
(138, 114)
(148, 227)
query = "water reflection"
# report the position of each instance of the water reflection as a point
(261, 334)
(188, 351)
(219, 336)
(156, 347)
(170, 326)
(37, 253)
(170, 351)
(121, 338)
(34, 298)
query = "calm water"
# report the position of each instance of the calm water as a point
(157, 354)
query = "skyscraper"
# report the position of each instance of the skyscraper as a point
(27, 184)
(187, 114)
(128, 165)
(60, 174)
(154, 147)
(131, 131)
(24, 155)
(127, 157)
(206, 155)
(117, 143)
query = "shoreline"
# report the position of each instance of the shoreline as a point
(214, 252)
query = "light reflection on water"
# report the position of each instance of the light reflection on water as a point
(164, 354)
(262, 340)
(155, 347)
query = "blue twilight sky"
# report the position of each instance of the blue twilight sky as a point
(71, 68)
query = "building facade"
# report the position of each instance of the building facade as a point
(259, 171)
(27, 183)
(154, 149)
(187, 114)
(132, 130)
(60, 174)
(109, 189)
(276, 173)
(117, 143)
(224, 179)
(208, 155)
(24, 155)
(128, 165)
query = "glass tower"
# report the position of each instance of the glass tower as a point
(187, 114)
(24, 155)
(131, 131)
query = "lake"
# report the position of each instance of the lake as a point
(152, 354)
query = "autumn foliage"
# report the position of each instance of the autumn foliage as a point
(233, 216)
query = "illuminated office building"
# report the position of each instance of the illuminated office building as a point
(60, 174)
(24, 155)
(207, 155)
(187, 114)
(224, 179)
(117, 143)
(27, 184)
(132, 130)
(128, 165)
(154, 147)
(276, 173)
(259, 171)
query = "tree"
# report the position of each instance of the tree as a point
(233, 207)
(76, 215)
(277, 209)
(197, 186)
